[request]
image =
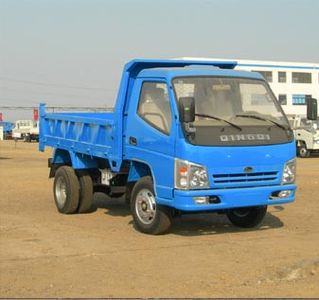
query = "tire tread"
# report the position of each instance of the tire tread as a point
(73, 187)
(86, 193)
(163, 219)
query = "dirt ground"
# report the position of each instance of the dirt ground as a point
(47, 254)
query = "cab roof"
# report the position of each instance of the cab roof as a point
(180, 68)
(195, 71)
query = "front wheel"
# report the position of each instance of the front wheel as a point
(148, 216)
(303, 151)
(27, 138)
(247, 217)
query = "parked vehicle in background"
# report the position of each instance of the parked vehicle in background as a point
(185, 136)
(7, 129)
(27, 130)
(306, 134)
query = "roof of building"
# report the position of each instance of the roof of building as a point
(263, 63)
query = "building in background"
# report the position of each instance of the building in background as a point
(291, 82)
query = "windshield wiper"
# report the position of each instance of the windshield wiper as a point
(218, 119)
(263, 119)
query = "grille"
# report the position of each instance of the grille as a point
(245, 178)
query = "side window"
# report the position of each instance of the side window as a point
(154, 106)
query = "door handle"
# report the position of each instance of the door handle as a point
(133, 140)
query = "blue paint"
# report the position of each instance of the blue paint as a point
(231, 198)
(138, 170)
(61, 156)
(7, 126)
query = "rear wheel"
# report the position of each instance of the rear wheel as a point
(27, 138)
(148, 216)
(86, 193)
(66, 190)
(246, 217)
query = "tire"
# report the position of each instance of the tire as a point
(148, 216)
(27, 138)
(247, 217)
(86, 193)
(303, 151)
(66, 190)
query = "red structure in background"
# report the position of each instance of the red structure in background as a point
(1, 117)
(35, 114)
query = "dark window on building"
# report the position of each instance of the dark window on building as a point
(282, 99)
(301, 77)
(299, 99)
(282, 77)
(266, 74)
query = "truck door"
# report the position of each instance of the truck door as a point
(150, 133)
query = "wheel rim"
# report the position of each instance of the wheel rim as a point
(145, 206)
(303, 151)
(60, 191)
(241, 212)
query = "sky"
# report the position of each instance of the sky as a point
(71, 52)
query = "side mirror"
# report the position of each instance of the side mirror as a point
(312, 108)
(186, 109)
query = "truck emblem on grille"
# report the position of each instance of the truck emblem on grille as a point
(245, 137)
(248, 169)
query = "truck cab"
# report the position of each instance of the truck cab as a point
(27, 130)
(306, 133)
(184, 137)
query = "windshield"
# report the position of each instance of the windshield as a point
(231, 103)
(228, 97)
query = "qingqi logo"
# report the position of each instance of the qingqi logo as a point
(248, 169)
(245, 137)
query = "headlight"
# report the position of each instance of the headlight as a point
(289, 173)
(190, 176)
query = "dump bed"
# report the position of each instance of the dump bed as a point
(89, 133)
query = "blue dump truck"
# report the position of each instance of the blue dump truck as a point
(184, 137)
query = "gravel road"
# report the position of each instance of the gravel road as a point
(100, 254)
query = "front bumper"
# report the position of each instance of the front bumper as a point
(230, 198)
